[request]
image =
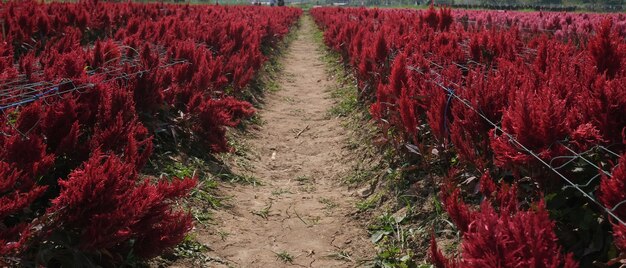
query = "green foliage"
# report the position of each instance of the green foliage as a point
(237, 178)
(263, 213)
(370, 202)
(284, 256)
(190, 248)
(579, 228)
(179, 170)
(348, 102)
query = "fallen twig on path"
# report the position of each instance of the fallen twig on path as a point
(302, 131)
(305, 223)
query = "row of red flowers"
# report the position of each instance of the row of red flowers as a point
(71, 188)
(436, 81)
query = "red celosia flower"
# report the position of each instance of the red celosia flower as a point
(105, 204)
(430, 17)
(523, 239)
(445, 18)
(604, 49)
(214, 115)
(612, 193)
(437, 258)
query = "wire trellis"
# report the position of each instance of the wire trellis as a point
(571, 157)
(21, 90)
(43, 90)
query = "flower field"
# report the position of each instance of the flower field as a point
(84, 89)
(522, 115)
(517, 119)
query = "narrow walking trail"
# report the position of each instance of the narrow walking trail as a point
(300, 214)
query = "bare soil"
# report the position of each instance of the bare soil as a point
(299, 214)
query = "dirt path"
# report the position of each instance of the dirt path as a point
(300, 215)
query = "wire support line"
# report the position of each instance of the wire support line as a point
(585, 159)
(52, 91)
(451, 93)
(12, 86)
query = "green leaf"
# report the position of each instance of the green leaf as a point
(377, 236)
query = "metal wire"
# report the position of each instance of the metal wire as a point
(548, 164)
(24, 94)
(21, 90)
